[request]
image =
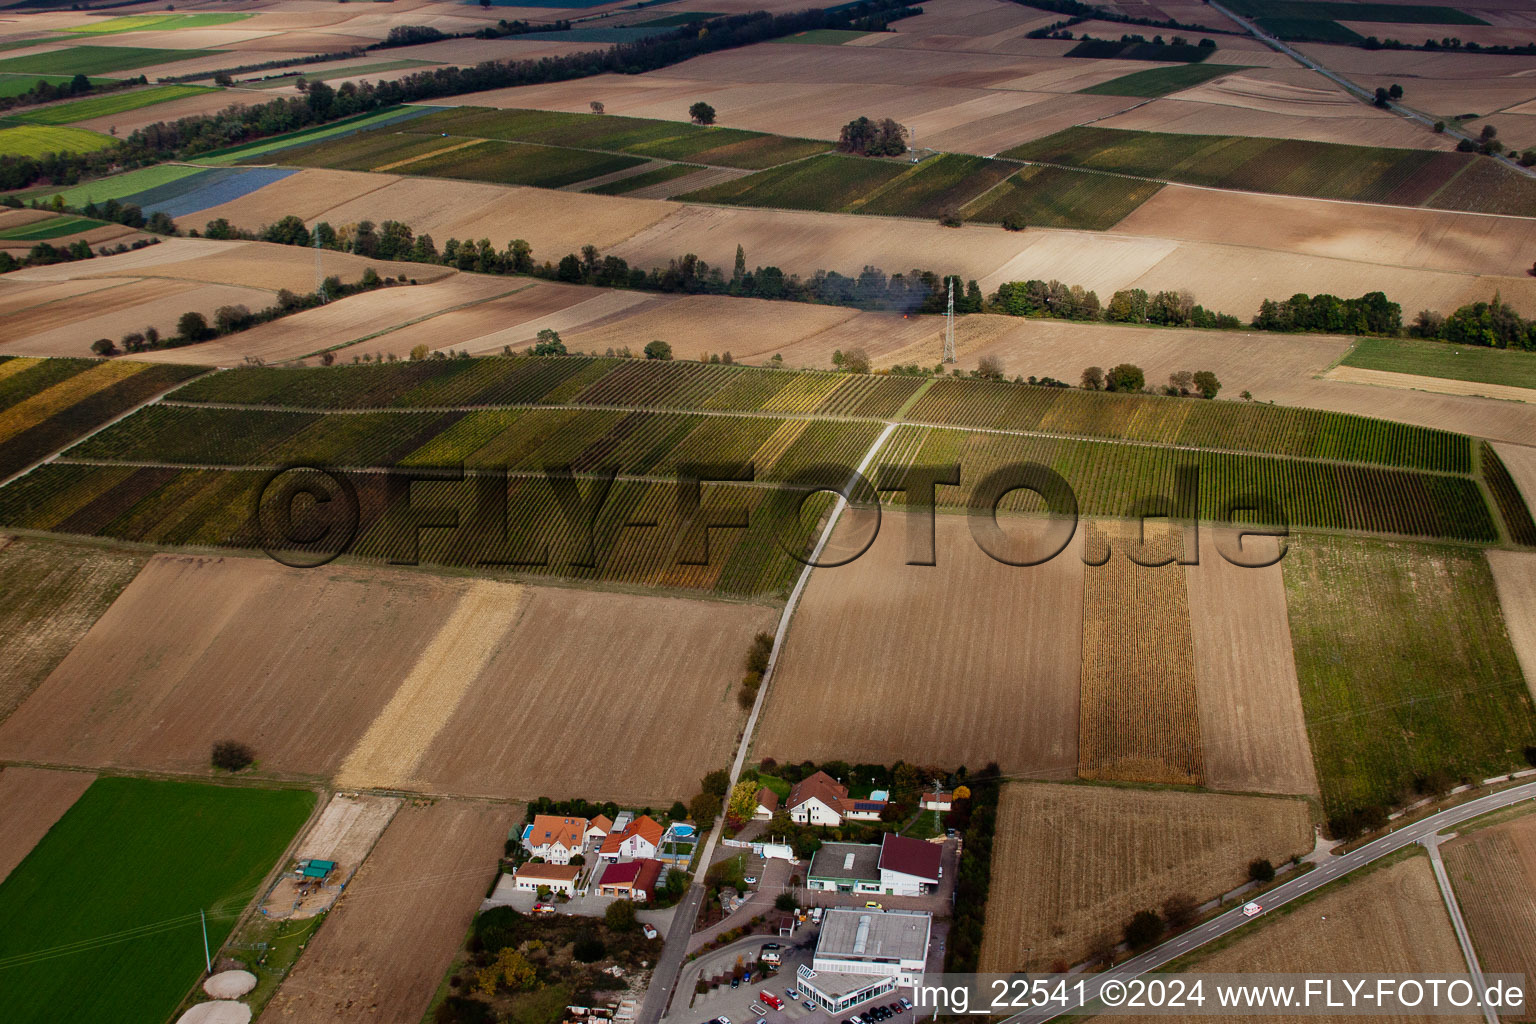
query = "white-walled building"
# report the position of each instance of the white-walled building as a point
(555, 877)
(864, 954)
(557, 839)
(909, 867)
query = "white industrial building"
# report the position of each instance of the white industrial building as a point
(864, 954)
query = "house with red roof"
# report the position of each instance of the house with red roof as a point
(909, 867)
(819, 799)
(631, 880)
(639, 839)
(555, 838)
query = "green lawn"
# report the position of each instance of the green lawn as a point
(1160, 81)
(155, 22)
(38, 139)
(119, 186)
(1405, 667)
(53, 227)
(1438, 359)
(15, 85)
(827, 183)
(1055, 197)
(102, 917)
(106, 105)
(95, 60)
(822, 36)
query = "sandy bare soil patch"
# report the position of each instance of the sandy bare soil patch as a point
(68, 326)
(887, 338)
(464, 327)
(344, 833)
(389, 752)
(1429, 239)
(295, 663)
(879, 633)
(1070, 862)
(1140, 719)
(696, 325)
(307, 194)
(385, 947)
(51, 594)
(352, 321)
(31, 801)
(1391, 919)
(1442, 385)
(1493, 871)
(601, 660)
(1251, 722)
(593, 307)
(1514, 575)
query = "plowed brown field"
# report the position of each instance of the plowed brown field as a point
(1493, 872)
(31, 800)
(963, 662)
(1069, 862)
(384, 948)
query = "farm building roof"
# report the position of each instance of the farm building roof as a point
(910, 856)
(846, 862)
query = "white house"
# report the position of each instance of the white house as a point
(598, 829)
(938, 801)
(819, 799)
(865, 954)
(555, 877)
(638, 841)
(767, 804)
(909, 867)
(555, 838)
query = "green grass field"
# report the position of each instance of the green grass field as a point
(1055, 197)
(15, 85)
(1160, 81)
(1437, 359)
(1405, 667)
(155, 22)
(826, 183)
(118, 186)
(822, 36)
(513, 163)
(363, 151)
(38, 139)
(118, 102)
(102, 916)
(53, 227)
(937, 186)
(95, 60)
(1310, 30)
(652, 177)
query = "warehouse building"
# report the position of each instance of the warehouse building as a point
(865, 954)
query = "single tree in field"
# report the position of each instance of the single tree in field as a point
(1381, 97)
(1125, 377)
(702, 113)
(1145, 929)
(548, 343)
(856, 360)
(1101, 949)
(1207, 384)
(193, 326)
(1396, 92)
(1093, 378)
(1261, 871)
(104, 347)
(658, 349)
(232, 756)
(989, 367)
(1181, 381)
(597, 106)
(419, 352)
(1179, 910)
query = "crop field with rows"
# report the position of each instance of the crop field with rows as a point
(513, 163)
(105, 105)
(1160, 81)
(47, 403)
(1278, 430)
(637, 537)
(1405, 667)
(638, 136)
(1488, 187)
(1324, 170)
(937, 186)
(1108, 478)
(1055, 197)
(1507, 497)
(827, 183)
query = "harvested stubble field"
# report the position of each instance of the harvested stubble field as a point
(123, 833)
(1493, 871)
(1405, 666)
(51, 594)
(32, 800)
(880, 632)
(1140, 719)
(1388, 919)
(1252, 725)
(698, 325)
(1072, 862)
(386, 945)
(234, 650)
(1439, 385)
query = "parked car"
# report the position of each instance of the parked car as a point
(792, 993)
(543, 908)
(872, 905)
(808, 1005)
(898, 1008)
(770, 999)
(906, 1004)
(750, 879)
(649, 930)
(722, 1020)
(735, 983)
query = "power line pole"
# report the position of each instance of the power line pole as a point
(949, 325)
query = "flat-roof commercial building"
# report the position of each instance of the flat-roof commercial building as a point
(845, 867)
(864, 954)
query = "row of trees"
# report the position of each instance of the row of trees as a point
(321, 103)
(1128, 377)
(45, 91)
(1487, 324)
(45, 253)
(1371, 313)
(1129, 306)
(868, 137)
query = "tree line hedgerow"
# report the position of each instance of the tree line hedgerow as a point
(322, 104)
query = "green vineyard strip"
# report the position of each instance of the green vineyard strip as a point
(1506, 495)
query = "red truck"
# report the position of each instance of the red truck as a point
(771, 999)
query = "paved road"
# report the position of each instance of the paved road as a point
(1329, 871)
(1413, 115)
(1432, 843)
(670, 963)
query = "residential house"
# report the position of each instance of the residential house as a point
(639, 839)
(555, 877)
(631, 880)
(909, 867)
(555, 838)
(819, 799)
(938, 801)
(767, 804)
(598, 829)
